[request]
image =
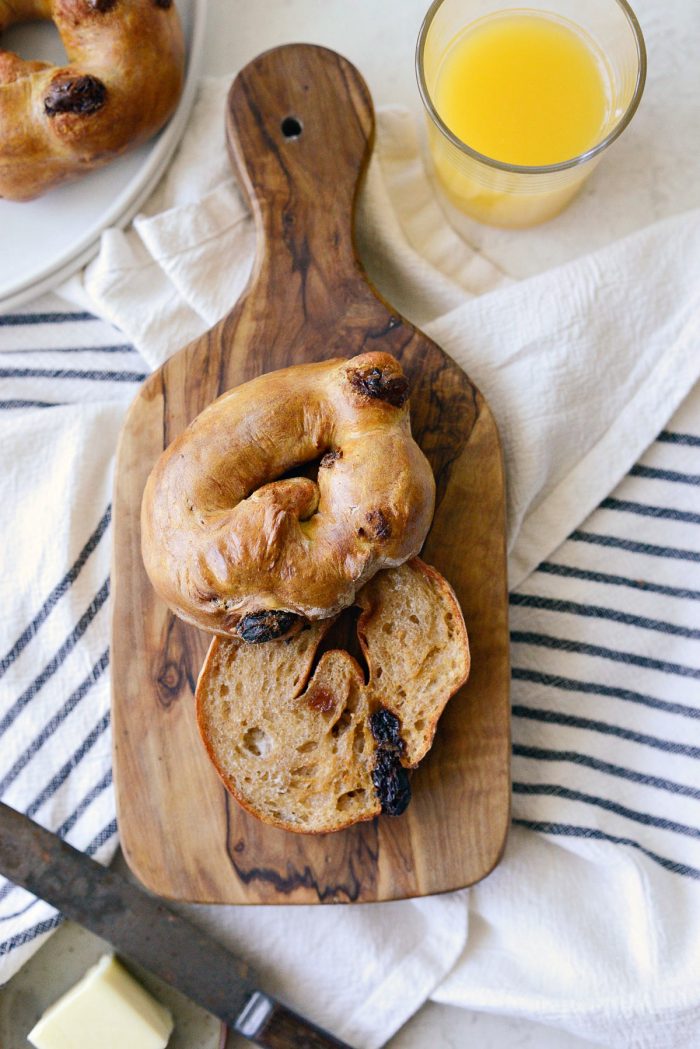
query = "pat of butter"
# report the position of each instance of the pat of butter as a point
(107, 1008)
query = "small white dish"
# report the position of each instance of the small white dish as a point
(44, 241)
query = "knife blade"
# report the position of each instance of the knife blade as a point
(147, 932)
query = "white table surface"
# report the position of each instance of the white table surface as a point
(652, 172)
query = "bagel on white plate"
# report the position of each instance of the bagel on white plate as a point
(123, 80)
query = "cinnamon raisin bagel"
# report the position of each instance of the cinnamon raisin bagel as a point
(239, 549)
(123, 80)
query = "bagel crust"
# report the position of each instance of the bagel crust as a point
(123, 80)
(239, 549)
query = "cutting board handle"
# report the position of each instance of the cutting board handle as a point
(300, 126)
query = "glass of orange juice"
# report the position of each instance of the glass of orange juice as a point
(522, 102)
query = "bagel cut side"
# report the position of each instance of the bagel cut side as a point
(123, 80)
(307, 741)
(238, 547)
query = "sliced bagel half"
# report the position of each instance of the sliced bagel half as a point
(311, 738)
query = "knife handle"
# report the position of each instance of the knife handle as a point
(271, 1025)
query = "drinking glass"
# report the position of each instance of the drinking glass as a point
(513, 195)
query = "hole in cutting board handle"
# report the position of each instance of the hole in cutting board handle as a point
(291, 127)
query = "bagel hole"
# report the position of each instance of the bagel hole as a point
(291, 127)
(308, 469)
(37, 41)
(343, 636)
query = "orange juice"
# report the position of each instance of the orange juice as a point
(523, 88)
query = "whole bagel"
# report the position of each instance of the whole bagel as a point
(123, 80)
(236, 548)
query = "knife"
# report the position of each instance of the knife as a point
(145, 931)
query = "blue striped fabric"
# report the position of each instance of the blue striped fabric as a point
(606, 667)
(58, 357)
(605, 648)
(55, 758)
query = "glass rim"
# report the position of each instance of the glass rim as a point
(541, 169)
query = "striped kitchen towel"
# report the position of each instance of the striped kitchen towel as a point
(606, 651)
(65, 380)
(592, 924)
(585, 367)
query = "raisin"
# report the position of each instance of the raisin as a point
(390, 778)
(321, 699)
(103, 5)
(329, 458)
(165, 4)
(391, 782)
(81, 94)
(379, 524)
(269, 625)
(375, 384)
(386, 728)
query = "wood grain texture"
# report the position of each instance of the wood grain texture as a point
(309, 299)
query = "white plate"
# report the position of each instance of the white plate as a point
(43, 241)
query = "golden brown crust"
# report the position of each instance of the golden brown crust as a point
(123, 79)
(224, 541)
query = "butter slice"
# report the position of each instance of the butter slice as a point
(106, 1009)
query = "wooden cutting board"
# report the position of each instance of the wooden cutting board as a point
(300, 128)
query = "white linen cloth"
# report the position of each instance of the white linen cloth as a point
(592, 923)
